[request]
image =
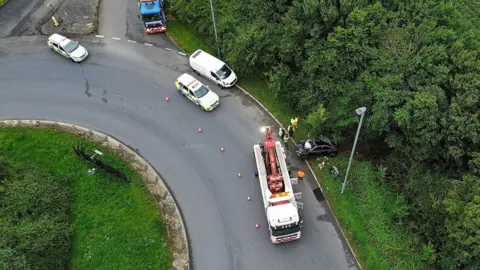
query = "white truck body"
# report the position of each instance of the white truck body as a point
(283, 219)
(212, 68)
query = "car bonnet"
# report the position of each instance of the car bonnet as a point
(79, 52)
(209, 98)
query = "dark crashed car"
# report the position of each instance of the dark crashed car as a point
(322, 146)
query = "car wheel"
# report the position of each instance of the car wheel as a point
(332, 155)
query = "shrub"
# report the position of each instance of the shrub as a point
(35, 230)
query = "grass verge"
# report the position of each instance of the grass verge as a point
(2, 2)
(186, 38)
(371, 215)
(367, 214)
(117, 226)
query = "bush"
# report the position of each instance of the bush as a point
(35, 229)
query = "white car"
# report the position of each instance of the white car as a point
(197, 92)
(67, 47)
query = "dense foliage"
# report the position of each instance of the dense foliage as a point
(35, 226)
(414, 64)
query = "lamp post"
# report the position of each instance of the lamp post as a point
(214, 28)
(360, 111)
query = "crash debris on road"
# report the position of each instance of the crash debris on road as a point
(73, 17)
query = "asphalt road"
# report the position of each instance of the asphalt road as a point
(19, 17)
(120, 90)
(118, 18)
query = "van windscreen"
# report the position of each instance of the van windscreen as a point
(224, 72)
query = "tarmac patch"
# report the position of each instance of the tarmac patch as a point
(319, 194)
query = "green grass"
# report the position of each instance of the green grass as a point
(117, 226)
(2, 2)
(186, 38)
(367, 212)
(259, 90)
(366, 218)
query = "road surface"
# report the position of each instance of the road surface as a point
(120, 90)
(23, 17)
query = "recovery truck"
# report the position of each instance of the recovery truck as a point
(152, 13)
(281, 206)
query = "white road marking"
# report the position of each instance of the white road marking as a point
(100, 36)
(132, 41)
(148, 44)
(181, 53)
(168, 49)
(116, 38)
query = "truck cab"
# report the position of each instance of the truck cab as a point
(153, 16)
(285, 223)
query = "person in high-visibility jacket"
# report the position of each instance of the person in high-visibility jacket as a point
(300, 175)
(281, 132)
(285, 139)
(294, 122)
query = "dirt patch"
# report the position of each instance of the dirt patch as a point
(177, 234)
(75, 18)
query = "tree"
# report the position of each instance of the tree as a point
(462, 247)
(316, 118)
(414, 64)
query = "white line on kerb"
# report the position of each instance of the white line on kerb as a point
(133, 41)
(148, 44)
(181, 53)
(116, 38)
(100, 36)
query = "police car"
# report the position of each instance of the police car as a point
(67, 47)
(198, 93)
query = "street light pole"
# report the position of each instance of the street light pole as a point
(214, 28)
(360, 111)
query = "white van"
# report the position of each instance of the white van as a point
(213, 69)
